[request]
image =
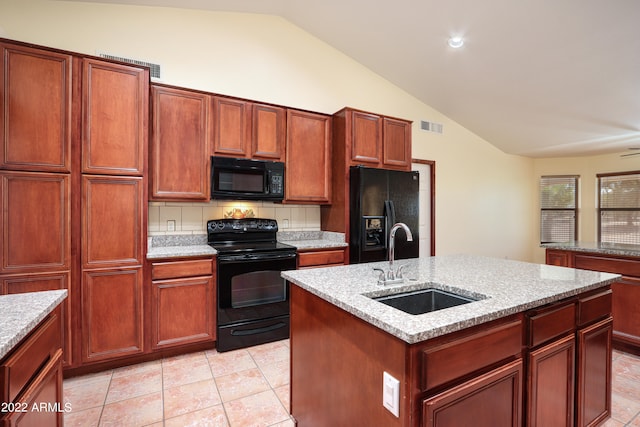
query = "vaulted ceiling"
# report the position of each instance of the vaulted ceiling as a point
(539, 78)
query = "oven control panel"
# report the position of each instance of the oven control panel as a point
(244, 224)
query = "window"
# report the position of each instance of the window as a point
(619, 208)
(558, 208)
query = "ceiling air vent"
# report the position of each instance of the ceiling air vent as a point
(431, 126)
(154, 69)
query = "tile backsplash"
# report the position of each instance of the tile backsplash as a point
(168, 218)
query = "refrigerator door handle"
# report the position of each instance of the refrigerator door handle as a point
(390, 215)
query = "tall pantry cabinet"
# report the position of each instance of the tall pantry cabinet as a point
(73, 193)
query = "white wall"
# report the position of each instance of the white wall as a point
(484, 201)
(587, 168)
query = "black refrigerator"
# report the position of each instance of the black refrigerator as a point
(378, 199)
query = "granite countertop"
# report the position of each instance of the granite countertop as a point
(594, 247)
(502, 287)
(20, 313)
(193, 245)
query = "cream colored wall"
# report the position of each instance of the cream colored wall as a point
(484, 201)
(587, 168)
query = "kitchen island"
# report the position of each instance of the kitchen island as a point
(535, 345)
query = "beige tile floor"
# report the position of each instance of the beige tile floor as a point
(248, 387)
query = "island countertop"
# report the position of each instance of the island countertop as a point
(20, 313)
(502, 287)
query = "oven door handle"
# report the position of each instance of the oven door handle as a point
(245, 332)
(250, 257)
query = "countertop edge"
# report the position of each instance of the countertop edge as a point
(48, 301)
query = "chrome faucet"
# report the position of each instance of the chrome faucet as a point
(392, 277)
(392, 242)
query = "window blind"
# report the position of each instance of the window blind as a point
(619, 208)
(558, 208)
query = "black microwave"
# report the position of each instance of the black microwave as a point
(246, 179)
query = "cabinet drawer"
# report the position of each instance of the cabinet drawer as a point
(455, 359)
(307, 259)
(18, 369)
(594, 307)
(551, 323)
(626, 267)
(175, 269)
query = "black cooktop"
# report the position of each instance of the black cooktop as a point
(245, 235)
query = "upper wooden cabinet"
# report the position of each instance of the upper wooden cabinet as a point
(179, 144)
(35, 220)
(245, 129)
(115, 112)
(374, 140)
(268, 133)
(308, 164)
(35, 109)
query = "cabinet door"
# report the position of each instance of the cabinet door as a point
(111, 314)
(268, 132)
(35, 109)
(493, 399)
(179, 145)
(231, 127)
(551, 384)
(308, 165)
(43, 398)
(366, 138)
(115, 113)
(112, 221)
(559, 258)
(47, 282)
(396, 143)
(182, 311)
(35, 214)
(626, 315)
(594, 373)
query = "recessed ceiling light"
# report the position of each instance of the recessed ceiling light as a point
(456, 42)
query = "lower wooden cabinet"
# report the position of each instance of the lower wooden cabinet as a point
(491, 399)
(31, 378)
(321, 258)
(182, 303)
(112, 316)
(594, 373)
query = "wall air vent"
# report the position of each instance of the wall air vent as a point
(154, 69)
(431, 126)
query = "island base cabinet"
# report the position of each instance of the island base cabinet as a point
(493, 399)
(551, 380)
(594, 373)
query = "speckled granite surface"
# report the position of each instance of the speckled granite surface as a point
(600, 248)
(20, 313)
(503, 287)
(192, 245)
(312, 239)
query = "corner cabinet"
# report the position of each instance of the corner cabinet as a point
(183, 302)
(179, 144)
(308, 164)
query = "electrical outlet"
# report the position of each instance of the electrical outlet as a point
(171, 225)
(391, 394)
(285, 223)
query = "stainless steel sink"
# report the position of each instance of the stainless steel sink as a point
(423, 301)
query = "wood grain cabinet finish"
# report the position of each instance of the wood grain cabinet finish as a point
(183, 303)
(32, 375)
(112, 314)
(47, 282)
(35, 219)
(231, 126)
(308, 165)
(35, 109)
(625, 296)
(396, 143)
(366, 138)
(115, 113)
(321, 258)
(268, 132)
(491, 399)
(112, 221)
(179, 144)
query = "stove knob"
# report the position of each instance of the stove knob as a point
(273, 224)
